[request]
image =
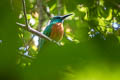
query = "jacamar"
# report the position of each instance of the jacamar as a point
(55, 29)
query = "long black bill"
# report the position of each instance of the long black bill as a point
(65, 16)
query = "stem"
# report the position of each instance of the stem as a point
(24, 11)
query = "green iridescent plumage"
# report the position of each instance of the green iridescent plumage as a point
(47, 32)
(48, 29)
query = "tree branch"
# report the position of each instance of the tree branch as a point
(34, 31)
(24, 11)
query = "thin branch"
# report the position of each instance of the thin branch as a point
(21, 25)
(29, 42)
(27, 45)
(24, 11)
(34, 32)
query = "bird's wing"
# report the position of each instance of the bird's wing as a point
(47, 32)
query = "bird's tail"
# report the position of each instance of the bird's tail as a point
(41, 43)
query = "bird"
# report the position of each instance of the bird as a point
(54, 29)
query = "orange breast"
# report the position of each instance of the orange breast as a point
(57, 32)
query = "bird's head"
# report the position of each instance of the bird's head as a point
(59, 19)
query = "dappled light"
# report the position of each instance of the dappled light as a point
(60, 40)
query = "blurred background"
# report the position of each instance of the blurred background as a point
(89, 50)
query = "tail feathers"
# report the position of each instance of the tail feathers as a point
(41, 43)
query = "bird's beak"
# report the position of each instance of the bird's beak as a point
(65, 16)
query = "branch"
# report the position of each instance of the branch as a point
(24, 11)
(34, 31)
(31, 39)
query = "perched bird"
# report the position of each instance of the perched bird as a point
(55, 29)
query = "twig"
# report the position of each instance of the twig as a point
(29, 41)
(27, 45)
(24, 11)
(21, 25)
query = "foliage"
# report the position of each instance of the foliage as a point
(89, 49)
